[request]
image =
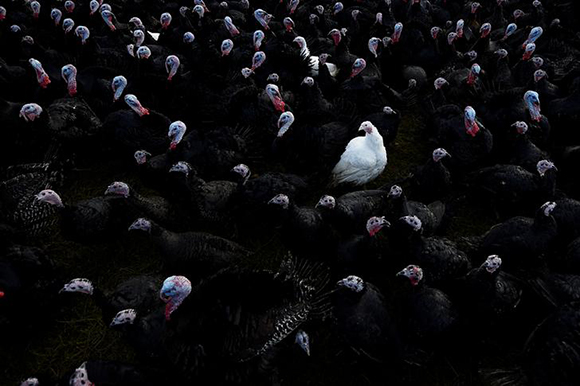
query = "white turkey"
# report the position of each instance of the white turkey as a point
(315, 61)
(363, 160)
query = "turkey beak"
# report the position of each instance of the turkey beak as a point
(385, 223)
(401, 273)
(366, 130)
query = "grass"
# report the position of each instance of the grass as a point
(78, 333)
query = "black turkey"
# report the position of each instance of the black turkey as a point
(198, 254)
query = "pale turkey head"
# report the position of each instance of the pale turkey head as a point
(132, 101)
(181, 167)
(395, 192)
(353, 283)
(81, 285)
(69, 75)
(118, 188)
(326, 201)
(263, 18)
(173, 292)
(124, 317)
(375, 224)
(172, 64)
(175, 134)
(30, 112)
(226, 47)
(303, 340)
(83, 33)
(281, 200)
(30, 381)
(439, 83)
(367, 127)
(492, 263)
(284, 122)
(548, 208)
(484, 30)
(413, 273)
(396, 36)
(165, 20)
(50, 197)
(80, 377)
(273, 92)
(141, 156)
(470, 121)
(413, 221)
(532, 101)
(243, 171)
(41, 76)
(439, 154)
(141, 224)
(544, 165)
(118, 86)
(521, 127)
(357, 67)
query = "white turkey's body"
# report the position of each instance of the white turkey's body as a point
(314, 63)
(363, 160)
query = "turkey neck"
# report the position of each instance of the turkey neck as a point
(481, 275)
(375, 141)
(195, 182)
(401, 205)
(543, 222)
(410, 240)
(548, 183)
(347, 298)
(161, 236)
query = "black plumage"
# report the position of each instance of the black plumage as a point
(362, 319)
(238, 315)
(198, 254)
(521, 241)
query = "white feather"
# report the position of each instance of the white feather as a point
(363, 160)
(314, 63)
(154, 35)
(333, 69)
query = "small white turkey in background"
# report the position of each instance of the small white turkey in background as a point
(363, 160)
(314, 61)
